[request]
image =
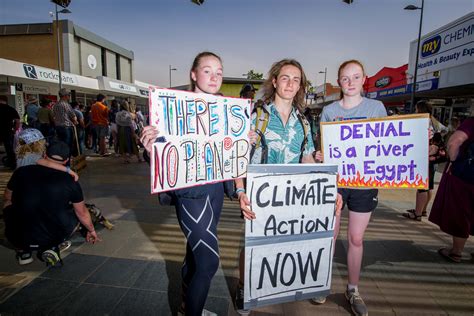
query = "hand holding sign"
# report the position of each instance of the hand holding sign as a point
(289, 245)
(148, 137)
(245, 206)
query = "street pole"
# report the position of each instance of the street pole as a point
(59, 49)
(324, 93)
(171, 69)
(324, 90)
(413, 91)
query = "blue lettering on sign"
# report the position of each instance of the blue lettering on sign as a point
(458, 34)
(431, 46)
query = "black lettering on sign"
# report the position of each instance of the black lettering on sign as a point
(302, 264)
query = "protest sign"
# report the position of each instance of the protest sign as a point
(289, 245)
(389, 152)
(205, 138)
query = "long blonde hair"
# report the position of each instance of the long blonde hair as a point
(270, 91)
(37, 147)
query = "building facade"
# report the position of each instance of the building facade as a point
(90, 64)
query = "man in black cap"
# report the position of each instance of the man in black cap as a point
(37, 209)
(248, 91)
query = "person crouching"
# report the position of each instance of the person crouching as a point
(37, 209)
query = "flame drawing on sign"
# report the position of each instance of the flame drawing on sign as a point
(359, 181)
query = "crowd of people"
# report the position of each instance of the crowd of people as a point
(43, 201)
(288, 138)
(282, 109)
(81, 127)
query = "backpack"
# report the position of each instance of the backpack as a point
(261, 123)
(463, 166)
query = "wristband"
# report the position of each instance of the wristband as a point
(68, 169)
(238, 190)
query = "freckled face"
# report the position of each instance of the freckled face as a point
(208, 75)
(352, 79)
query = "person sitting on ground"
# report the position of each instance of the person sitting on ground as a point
(37, 209)
(31, 149)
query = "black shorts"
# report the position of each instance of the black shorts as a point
(360, 201)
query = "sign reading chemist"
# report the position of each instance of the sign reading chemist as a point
(450, 47)
(288, 247)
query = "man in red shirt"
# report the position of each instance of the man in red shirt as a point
(100, 121)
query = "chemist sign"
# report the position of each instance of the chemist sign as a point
(205, 138)
(379, 153)
(449, 46)
(289, 246)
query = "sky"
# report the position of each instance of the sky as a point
(250, 34)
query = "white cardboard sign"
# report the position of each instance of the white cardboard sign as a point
(204, 138)
(388, 152)
(289, 246)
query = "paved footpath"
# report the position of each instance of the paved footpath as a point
(135, 269)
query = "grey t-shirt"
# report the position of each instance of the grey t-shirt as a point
(368, 108)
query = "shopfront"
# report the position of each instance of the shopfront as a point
(21, 82)
(445, 73)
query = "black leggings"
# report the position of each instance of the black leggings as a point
(198, 218)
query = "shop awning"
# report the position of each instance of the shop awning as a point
(115, 86)
(46, 77)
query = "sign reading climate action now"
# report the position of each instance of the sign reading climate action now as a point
(205, 138)
(387, 152)
(289, 246)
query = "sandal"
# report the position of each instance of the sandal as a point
(424, 213)
(448, 255)
(412, 216)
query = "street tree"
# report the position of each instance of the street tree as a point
(252, 74)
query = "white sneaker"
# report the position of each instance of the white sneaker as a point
(205, 312)
(319, 300)
(65, 245)
(24, 258)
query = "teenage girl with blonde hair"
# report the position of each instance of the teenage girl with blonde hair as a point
(361, 202)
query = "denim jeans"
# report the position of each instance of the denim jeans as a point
(65, 135)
